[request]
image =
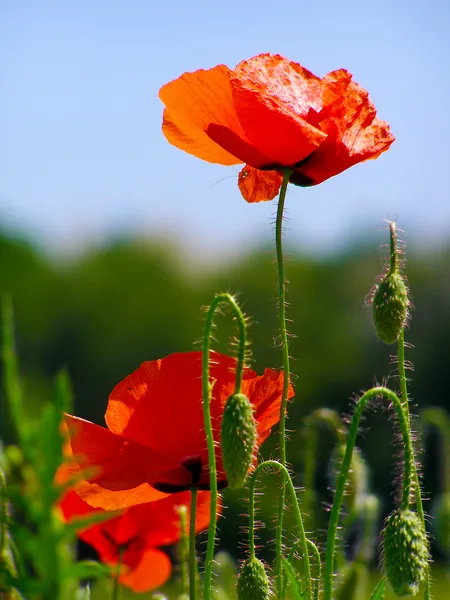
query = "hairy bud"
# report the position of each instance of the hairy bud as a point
(238, 439)
(405, 548)
(390, 305)
(253, 582)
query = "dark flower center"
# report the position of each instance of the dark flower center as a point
(192, 464)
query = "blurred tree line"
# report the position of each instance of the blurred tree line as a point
(103, 313)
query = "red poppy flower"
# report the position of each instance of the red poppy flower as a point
(137, 534)
(271, 113)
(155, 442)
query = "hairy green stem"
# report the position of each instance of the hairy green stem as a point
(318, 562)
(286, 369)
(341, 481)
(192, 553)
(207, 387)
(393, 254)
(303, 541)
(415, 475)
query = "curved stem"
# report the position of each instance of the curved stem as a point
(192, 553)
(286, 368)
(303, 542)
(206, 400)
(341, 481)
(318, 561)
(415, 475)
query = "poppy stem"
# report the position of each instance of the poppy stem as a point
(184, 550)
(192, 553)
(115, 591)
(303, 541)
(207, 387)
(415, 475)
(286, 367)
(408, 459)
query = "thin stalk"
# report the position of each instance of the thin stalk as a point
(303, 541)
(192, 553)
(341, 481)
(184, 550)
(207, 387)
(286, 369)
(415, 475)
(115, 590)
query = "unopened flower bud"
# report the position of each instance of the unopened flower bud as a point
(405, 548)
(390, 307)
(238, 439)
(441, 523)
(253, 582)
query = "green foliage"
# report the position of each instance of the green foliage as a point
(36, 555)
(378, 593)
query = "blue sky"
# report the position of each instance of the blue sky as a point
(82, 156)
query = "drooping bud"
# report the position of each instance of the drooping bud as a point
(441, 524)
(253, 582)
(405, 548)
(390, 302)
(238, 439)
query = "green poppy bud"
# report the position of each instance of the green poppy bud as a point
(238, 439)
(441, 523)
(253, 582)
(405, 548)
(390, 305)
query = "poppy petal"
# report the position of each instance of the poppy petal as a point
(152, 571)
(161, 396)
(273, 96)
(257, 186)
(265, 393)
(121, 466)
(162, 522)
(193, 102)
(354, 133)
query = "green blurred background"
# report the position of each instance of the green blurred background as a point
(102, 313)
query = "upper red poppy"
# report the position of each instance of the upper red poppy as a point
(155, 442)
(271, 113)
(137, 534)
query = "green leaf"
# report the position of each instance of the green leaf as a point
(83, 593)
(297, 593)
(378, 593)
